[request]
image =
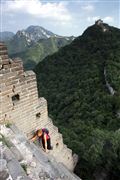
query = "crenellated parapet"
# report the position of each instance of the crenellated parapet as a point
(20, 105)
(102, 25)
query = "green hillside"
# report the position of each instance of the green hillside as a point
(16, 45)
(79, 100)
(36, 52)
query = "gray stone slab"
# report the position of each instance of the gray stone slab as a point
(24, 178)
(7, 155)
(69, 174)
(17, 131)
(16, 153)
(37, 152)
(4, 175)
(3, 164)
(44, 161)
(15, 169)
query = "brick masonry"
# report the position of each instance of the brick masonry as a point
(19, 104)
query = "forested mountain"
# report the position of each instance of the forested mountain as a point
(38, 51)
(82, 85)
(35, 43)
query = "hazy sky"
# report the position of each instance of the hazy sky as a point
(67, 17)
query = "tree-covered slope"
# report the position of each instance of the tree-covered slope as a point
(38, 51)
(73, 81)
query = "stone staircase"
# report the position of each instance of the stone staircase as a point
(59, 147)
(23, 160)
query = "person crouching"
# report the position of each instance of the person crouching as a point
(44, 137)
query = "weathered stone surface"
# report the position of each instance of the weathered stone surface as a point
(7, 154)
(36, 163)
(33, 164)
(15, 169)
(4, 175)
(23, 178)
(44, 174)
(16, 153)
(3, 164)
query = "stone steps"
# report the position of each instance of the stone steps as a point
(37, 155)
(69, 151)
(14, 168)
(54, 136)
(46, 124)
(67, 156)
(43, 165)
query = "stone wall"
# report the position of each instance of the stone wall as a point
(20, 105)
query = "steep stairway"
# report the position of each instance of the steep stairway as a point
(23, 160)
(57, 141)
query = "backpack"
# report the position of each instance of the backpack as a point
(45, 130)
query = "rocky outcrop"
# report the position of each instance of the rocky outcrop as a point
(23, 160)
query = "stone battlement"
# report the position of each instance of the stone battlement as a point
(101, 24)
(20, 105)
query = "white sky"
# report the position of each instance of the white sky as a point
(61, 17)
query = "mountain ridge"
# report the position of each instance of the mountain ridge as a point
(30, 36)
(35, 43)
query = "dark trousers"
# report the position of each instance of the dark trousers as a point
(48, 144)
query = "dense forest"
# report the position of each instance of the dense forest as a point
(80, 104)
